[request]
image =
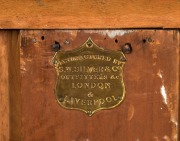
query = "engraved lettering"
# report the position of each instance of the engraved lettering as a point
(99, 77)
(79, 85)
(62, 77)
(84, 57)
(85, 77)
(102, 101)
(66, 100)
(115, 61)
(86, 85)
(100, 85)
(72, 101)
(89, 102)
(108, 99)
(88, 69)
(114, 98)
(90, 94)
(60, 69)
(107, 69)
(116, 68)
(89, 78)
(108, 59)
(83, 102)
(68, 69)
(107, 86)
(114, 77)
(91, 85)
(76, 69)
(73, 86)
(77, 100)
(96, 101)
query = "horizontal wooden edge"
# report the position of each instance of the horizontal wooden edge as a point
(78, 14)
(90, 23)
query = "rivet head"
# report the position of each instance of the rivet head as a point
(123, 59)
(89, 44)
(56, 47)
(89, 113)
(61, 99)
(54, 61)
(126, 48)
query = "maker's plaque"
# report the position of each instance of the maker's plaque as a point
(89, 78)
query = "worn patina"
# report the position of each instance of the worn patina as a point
(89, 78)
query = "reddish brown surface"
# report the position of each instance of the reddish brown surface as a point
(145, 114)
(4, 87)
(58, 14)
(10, 105)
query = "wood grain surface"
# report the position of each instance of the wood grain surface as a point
(149, 111)
(53, 14)
(4, 87)
(10, 105)
(14, 86)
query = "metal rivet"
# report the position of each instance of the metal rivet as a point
(89, 113)
(127, 49)
(61, 99)
(56, 46)
(123, 59)
(89, 44)
(54, 61)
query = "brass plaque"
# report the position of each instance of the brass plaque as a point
(89, 78)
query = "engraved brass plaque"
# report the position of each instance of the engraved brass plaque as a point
(89, 78)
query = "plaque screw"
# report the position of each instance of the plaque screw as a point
(123, 59)
(54, 61)
(89, 44)
(56, 46)
(61, 99)
(89, 113)
(127, 49)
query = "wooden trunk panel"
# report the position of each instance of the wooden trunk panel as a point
(51, 14)
(151, 75)
(10, 98)
(4, 87)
